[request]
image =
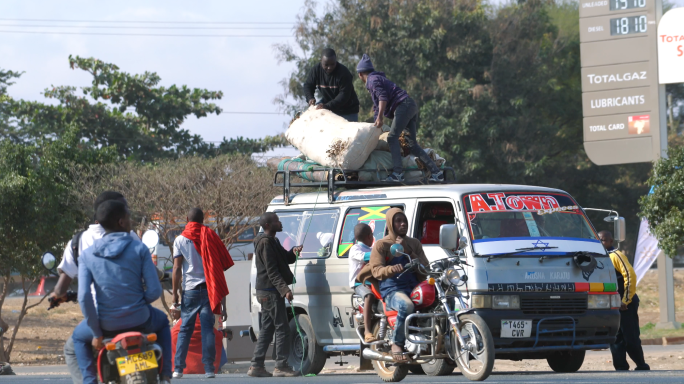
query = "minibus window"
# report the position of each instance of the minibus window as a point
(373, 216)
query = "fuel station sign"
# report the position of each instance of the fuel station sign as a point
(622, 100)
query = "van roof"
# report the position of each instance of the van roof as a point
(412, 191)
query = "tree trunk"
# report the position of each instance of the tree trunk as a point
(4, 327)
(8, 351)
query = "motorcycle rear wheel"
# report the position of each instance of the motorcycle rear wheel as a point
(136, 378)
(478, 362)
(388, 372)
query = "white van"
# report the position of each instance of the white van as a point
(537, 273)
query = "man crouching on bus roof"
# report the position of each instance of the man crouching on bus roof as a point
(396, 291)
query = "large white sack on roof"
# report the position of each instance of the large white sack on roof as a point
(332, 141)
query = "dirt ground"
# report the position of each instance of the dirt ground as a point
(42, 334)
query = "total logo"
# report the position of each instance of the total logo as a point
(616, 78)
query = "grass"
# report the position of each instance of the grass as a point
(649, 331)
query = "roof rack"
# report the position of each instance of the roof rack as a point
(335, 178)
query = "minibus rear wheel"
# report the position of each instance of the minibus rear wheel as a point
(314, 357)
(567, 361)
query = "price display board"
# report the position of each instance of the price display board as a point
(623, 103)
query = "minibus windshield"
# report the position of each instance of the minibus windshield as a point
(514, 215)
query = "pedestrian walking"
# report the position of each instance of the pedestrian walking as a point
(627, 341)
(272, 281)
(200, 258)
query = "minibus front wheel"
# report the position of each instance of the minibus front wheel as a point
(305, 346)
(566, 361)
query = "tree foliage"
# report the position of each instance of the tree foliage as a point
(38, 210)
(664, 207)
(133, 113)
(499, 89)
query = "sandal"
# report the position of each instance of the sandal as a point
(399, 357)
(369, 338)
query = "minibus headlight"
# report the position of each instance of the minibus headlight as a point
(506, 302)
(482, 301)
(598, 301)
(615, 301)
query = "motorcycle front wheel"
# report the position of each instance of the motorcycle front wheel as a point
(475, 359)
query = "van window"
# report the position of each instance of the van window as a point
(511, 215)
(315, 230)
(247, 235)
(430, 216)
(373, 216)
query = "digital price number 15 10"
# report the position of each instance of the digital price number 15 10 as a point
(620, 5)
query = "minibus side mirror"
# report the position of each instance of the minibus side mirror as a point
(448, 236)
(620, 229)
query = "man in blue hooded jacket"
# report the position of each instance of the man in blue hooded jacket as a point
(126, 283)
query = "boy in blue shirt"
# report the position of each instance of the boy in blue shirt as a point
(118, 266)
(393, 102)
(359, 255)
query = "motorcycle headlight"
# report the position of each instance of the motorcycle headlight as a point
(506, 302)
(599, 301)
(452, 276)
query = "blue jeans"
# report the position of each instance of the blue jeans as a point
(83, 337)
(400, 302)
(406, 119)
(194, 302)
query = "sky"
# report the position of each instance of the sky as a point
(244, 68)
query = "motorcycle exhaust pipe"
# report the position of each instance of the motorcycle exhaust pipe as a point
(369, 354)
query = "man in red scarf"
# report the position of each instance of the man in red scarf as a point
(200, 257)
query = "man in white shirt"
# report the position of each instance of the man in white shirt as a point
(190, 284)
(68, 270)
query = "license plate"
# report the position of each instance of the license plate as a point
(136, 363)
(516, 328)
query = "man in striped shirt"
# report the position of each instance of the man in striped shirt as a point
(627, 340)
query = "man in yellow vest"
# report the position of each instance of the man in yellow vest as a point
(628, 339)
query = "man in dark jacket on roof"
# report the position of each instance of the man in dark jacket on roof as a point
(272, 281)
(335, 86)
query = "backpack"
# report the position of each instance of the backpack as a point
(75, 241)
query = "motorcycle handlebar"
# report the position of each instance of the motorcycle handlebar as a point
(70, 296)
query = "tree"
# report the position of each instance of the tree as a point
(231, 190)
(132, 112)
(38, 212)
(664, 207)
(499, 89)
(6, 118)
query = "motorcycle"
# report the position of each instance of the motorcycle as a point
(442, 329)
(129, 357)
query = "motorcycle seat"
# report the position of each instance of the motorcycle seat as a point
(388, 313)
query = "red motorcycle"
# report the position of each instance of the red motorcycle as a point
(441, 331)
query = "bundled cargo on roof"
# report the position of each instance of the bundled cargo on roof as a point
(332, 141)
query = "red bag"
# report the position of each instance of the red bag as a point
(193, 362)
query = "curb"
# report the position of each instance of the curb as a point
(664, 341)
(244, 367)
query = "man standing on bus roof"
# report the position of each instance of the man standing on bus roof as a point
(335, 86)
(628, 339)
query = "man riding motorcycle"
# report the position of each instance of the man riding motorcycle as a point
(395, 290)
(68, 270)
(126, 282)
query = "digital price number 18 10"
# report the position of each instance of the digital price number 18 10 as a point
(628, 25)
